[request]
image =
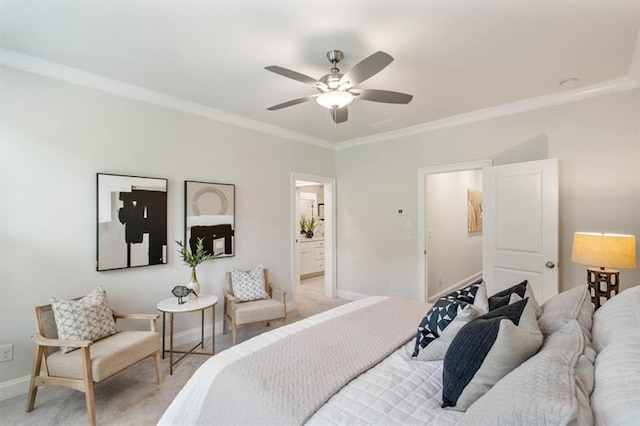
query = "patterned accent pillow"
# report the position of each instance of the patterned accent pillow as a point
(436, 350)
(474, 294)
(248, 285)
(89, 318)
(445, 310)
(441, 314)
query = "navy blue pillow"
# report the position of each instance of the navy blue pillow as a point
(479, 351)
(502, 298)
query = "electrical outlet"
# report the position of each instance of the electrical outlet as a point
(6, 353)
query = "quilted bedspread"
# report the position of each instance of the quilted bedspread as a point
(286, 382)
(398, 391)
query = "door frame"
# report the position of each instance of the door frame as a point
(423, 173)
(330, 288)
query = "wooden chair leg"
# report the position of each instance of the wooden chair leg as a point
(91, 404)
(224, 323)
(234, 330)
(88, 386)
(158, 361)
(33, 389)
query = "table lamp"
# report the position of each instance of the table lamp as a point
(605, 251)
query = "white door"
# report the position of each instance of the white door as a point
(520, 235)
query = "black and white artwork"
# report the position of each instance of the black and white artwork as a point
(132, 221)
(209, 211)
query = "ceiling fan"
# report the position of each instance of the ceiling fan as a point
(337, 90)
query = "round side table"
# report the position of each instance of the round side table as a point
(201, 303)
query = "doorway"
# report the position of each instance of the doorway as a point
(313, 256)
(426, 214)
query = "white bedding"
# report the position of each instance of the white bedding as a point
(399, 390)
(187, 405)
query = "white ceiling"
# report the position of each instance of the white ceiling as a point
(453, 56)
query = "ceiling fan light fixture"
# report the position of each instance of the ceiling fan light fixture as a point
(334, 99)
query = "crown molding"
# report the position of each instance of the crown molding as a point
(531, 104)
(72, 75)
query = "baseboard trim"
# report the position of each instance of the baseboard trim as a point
(14, 387)
(456, 286)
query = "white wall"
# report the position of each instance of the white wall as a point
(57, 136)
(454, 254)
(595, 140)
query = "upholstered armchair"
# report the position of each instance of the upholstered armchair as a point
(86, 362)
(272, 306)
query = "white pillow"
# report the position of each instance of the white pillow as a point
(482, 301)
(541, 391)
(249, 285)
(618, 320)
(88, 318)
(486, 350)
(616, 398)
(573, 304)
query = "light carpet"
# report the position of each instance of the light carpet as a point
(133, 397)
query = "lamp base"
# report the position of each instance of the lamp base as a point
(603, 283)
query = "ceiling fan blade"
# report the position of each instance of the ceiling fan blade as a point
(385, 96)
(292, 102)
(295, 76)
(339, 115)
(368, 67)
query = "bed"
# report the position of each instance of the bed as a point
(354, 365)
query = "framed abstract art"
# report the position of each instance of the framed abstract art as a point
(131, 221)
(209, 211)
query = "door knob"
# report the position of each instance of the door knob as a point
(550, 265)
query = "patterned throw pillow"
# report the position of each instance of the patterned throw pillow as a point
(248, 285)
(445, 310)
(437, 319)
(437, 349)
(89, 318)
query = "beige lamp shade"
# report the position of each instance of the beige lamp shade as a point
(604, 250)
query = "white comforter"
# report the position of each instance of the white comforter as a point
(398, 390)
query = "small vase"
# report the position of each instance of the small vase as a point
(194, 285)
(309, 234)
